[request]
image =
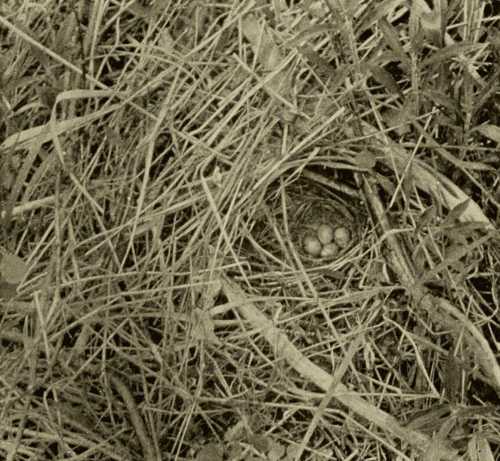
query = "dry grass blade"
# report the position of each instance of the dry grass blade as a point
(36, 136)
(140, 429)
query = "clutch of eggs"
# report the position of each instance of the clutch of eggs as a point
(327, 241)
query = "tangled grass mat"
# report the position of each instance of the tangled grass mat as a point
(249, 230)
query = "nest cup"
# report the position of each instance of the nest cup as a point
(311, 204)
(308, 205)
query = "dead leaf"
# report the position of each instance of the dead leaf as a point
(449, 52)
(426, 218)
(452, 378)
(490, 131)
(276, 451)
(210, 452)
(7, 290)
(260, 442)
(12, 268)
(203, 327)
(479, 448)
(384, 78)
(366, 160)
(236, 432)
(456, 212)
(267, 51)
(263, 44)
(391, 37)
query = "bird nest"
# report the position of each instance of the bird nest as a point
(306, 211)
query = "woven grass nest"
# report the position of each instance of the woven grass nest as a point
(308, 206)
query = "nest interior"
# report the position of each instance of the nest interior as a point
(295, 210)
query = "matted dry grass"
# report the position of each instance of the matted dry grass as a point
(158, 160)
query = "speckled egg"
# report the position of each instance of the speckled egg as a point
(325, 233)
(329, 250)
(342, 236)
(312, 245)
